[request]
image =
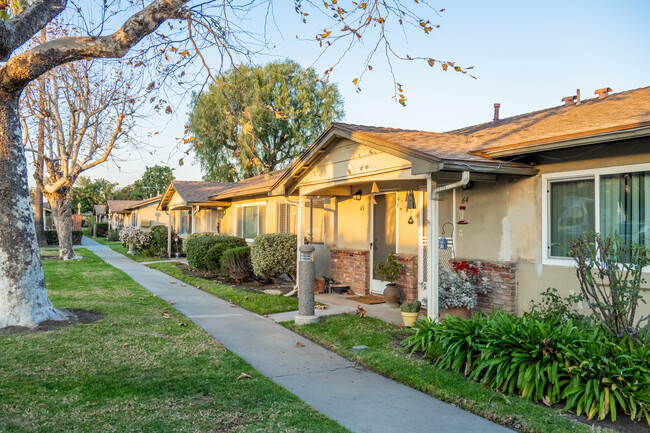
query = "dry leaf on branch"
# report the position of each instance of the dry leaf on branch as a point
(299, 344)
(244, 376)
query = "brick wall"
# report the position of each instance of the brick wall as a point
(408, 277)
(351, 267)
(503, 292)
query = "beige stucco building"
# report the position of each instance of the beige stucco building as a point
(511, 193)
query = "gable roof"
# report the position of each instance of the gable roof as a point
(436, 151)
(259, 184)
(99, 209)
(623, 115)
(116, 206)
(192, 191)
(145, 202)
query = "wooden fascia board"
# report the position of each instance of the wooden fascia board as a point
(572, 140)
(166, 197)
(212, 203)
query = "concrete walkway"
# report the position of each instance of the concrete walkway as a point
(356, 398)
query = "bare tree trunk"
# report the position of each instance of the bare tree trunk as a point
(38, 208)
(62, 213)
(23, 299)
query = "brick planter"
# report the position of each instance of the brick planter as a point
(503, 293)
(408, 277)
(351, 267)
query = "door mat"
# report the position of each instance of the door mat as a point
(367, 299)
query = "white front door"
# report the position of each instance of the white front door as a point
(383, 235)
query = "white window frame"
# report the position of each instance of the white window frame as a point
(595, 174)
(241, 206)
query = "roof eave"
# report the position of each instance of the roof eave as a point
(563, 143)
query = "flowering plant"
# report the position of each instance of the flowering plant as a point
(135, 237)
(459, 288)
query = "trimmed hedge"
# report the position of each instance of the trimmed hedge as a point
(102, 230)
(197, 246)
(585, 368)
(52, 238)
(236, 263)
(274, 254)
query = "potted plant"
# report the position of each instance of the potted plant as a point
(458, 289)
(410, 312)
(389, 272)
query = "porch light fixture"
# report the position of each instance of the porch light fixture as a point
(410, 205)
(357, 195)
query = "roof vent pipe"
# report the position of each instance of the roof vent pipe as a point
(603, 92)
(496, 113)
(569, 100)
(578, 97)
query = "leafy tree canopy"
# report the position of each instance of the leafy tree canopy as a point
(260, 118)
(154, 181)
(90, 193)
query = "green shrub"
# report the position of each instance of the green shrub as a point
(102, 230)
(158, 244)
(197, 246)
(52, 238)
(542, 360)
(610, 275)
(113, 236)
(212, 258)
(411, 307)
(236, 263)
(274, 254)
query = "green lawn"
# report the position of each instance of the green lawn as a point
(385, 355)
(255, 302)
(134, 370)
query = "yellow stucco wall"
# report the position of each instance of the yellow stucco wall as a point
(149, 214)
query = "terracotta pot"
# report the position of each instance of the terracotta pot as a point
(463, 312)
(392, 294)
(409, 318)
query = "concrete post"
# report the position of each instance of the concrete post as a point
(306, 287)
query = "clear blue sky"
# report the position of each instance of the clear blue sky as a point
(526, 56)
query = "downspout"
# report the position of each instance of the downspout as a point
(464, 180)
(432, 241)
(194, 212)
(169, 234)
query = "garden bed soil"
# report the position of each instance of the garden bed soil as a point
(82, 317)
(250, 285)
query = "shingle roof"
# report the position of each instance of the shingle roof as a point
(99, 209)
(197, 191)
(145, 202)
(433, 145)
(115, 206)
(253, 185)
(616, 112)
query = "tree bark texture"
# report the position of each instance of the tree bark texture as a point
(23, 298)
(62, 214)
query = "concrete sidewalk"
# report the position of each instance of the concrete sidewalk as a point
(356, 398)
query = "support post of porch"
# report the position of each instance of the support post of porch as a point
(432, 250)
(300, 230)
(169, 234)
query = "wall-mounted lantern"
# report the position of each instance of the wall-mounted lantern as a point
(410, 205)
(357, 195)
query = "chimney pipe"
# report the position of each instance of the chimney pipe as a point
(578, 97)
(603, 92)
(496, 113)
